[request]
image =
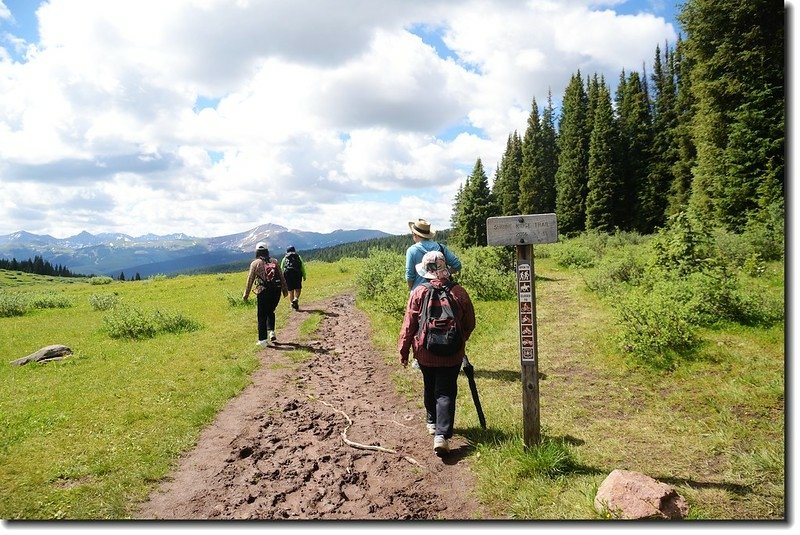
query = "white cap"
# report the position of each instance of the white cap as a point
(261, 246)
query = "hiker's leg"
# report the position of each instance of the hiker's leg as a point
(445, 391)
(261, 314)
(273, 296)
(428, 393)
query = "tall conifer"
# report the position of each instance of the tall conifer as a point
(573, 158)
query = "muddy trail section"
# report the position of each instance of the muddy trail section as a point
(277, 450)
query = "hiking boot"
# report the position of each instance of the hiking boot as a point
(440, 445)
(295, 304)
(272, 337)
(431, 428)
(261, 343)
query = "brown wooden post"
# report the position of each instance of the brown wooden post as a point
(523, 231)
(529, 354)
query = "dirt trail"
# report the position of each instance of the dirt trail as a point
(276, 450)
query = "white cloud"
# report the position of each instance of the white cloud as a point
(325, 117)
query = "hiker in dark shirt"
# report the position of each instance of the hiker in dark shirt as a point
(294, 269)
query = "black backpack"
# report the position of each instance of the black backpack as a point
(441, 334)
(292, 262)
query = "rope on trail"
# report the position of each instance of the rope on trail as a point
(358, 445)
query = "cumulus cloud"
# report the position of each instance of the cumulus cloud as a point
(315, 116)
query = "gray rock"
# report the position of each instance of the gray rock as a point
(46, 354)
(631, 495)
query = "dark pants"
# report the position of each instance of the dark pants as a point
(267, 301)
(441, 387)
(294, 279)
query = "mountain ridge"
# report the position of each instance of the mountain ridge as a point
(149, 254)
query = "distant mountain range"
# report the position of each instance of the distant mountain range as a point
(112, 254)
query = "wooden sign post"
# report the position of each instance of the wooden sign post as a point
(523, 231)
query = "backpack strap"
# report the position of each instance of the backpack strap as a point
(425, 313)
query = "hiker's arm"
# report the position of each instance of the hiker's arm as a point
(409, 328)
(251, 276)
(452, 260)
(411, 269)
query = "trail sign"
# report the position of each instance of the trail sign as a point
(523, 231)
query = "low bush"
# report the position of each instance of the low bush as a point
(103, 301)
(488, 273)
(573, 254)
(656, 328)
(12, 304)
(382, 281)
(100, 280)
(49, 300)
(133, 323)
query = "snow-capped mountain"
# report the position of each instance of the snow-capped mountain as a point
(112, 253)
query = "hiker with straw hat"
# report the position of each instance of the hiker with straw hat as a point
(422, 235)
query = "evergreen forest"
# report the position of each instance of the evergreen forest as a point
(701, 133)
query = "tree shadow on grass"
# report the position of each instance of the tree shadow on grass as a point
(509, 376)
(734, 488)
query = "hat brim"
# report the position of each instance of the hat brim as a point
(419, 233)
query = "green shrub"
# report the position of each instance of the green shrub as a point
(624, 266)
(235, 300)
(12, 304)
(382, 280)
(103, 301)
(656, 328)
(100, 280)
(683, 246)
(133, 323)
(572, 253)
(488, 273)
(49, 300)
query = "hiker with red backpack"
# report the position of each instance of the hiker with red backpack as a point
(439, 320)
(270, 284)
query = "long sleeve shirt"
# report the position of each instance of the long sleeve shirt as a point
(465, 317)
(414, 256)
(257, 267)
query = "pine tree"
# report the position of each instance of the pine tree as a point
(475, 206)
(573, 159)
(530, 154)
(686, 153)
(663, 150)
(635, 134)
(603, 196)
(507, 177)
(548, 165)
(736, 50)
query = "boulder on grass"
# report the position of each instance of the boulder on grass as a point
(630, 495)
(46, 354)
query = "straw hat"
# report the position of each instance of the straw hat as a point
(421, 228)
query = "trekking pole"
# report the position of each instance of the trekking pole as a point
(469, 371)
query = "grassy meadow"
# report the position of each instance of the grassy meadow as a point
(88, 437)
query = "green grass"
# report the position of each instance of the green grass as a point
(712, 428)
(87, 437)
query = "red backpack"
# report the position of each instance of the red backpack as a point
(438, 323)
(270, 276)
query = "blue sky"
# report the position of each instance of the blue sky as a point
(212, 117)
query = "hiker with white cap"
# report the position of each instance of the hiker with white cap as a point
(439, 320)
(422, 235)
(270, 284)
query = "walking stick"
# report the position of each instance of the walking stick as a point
(469, 371)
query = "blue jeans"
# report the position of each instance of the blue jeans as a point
(441, 387)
